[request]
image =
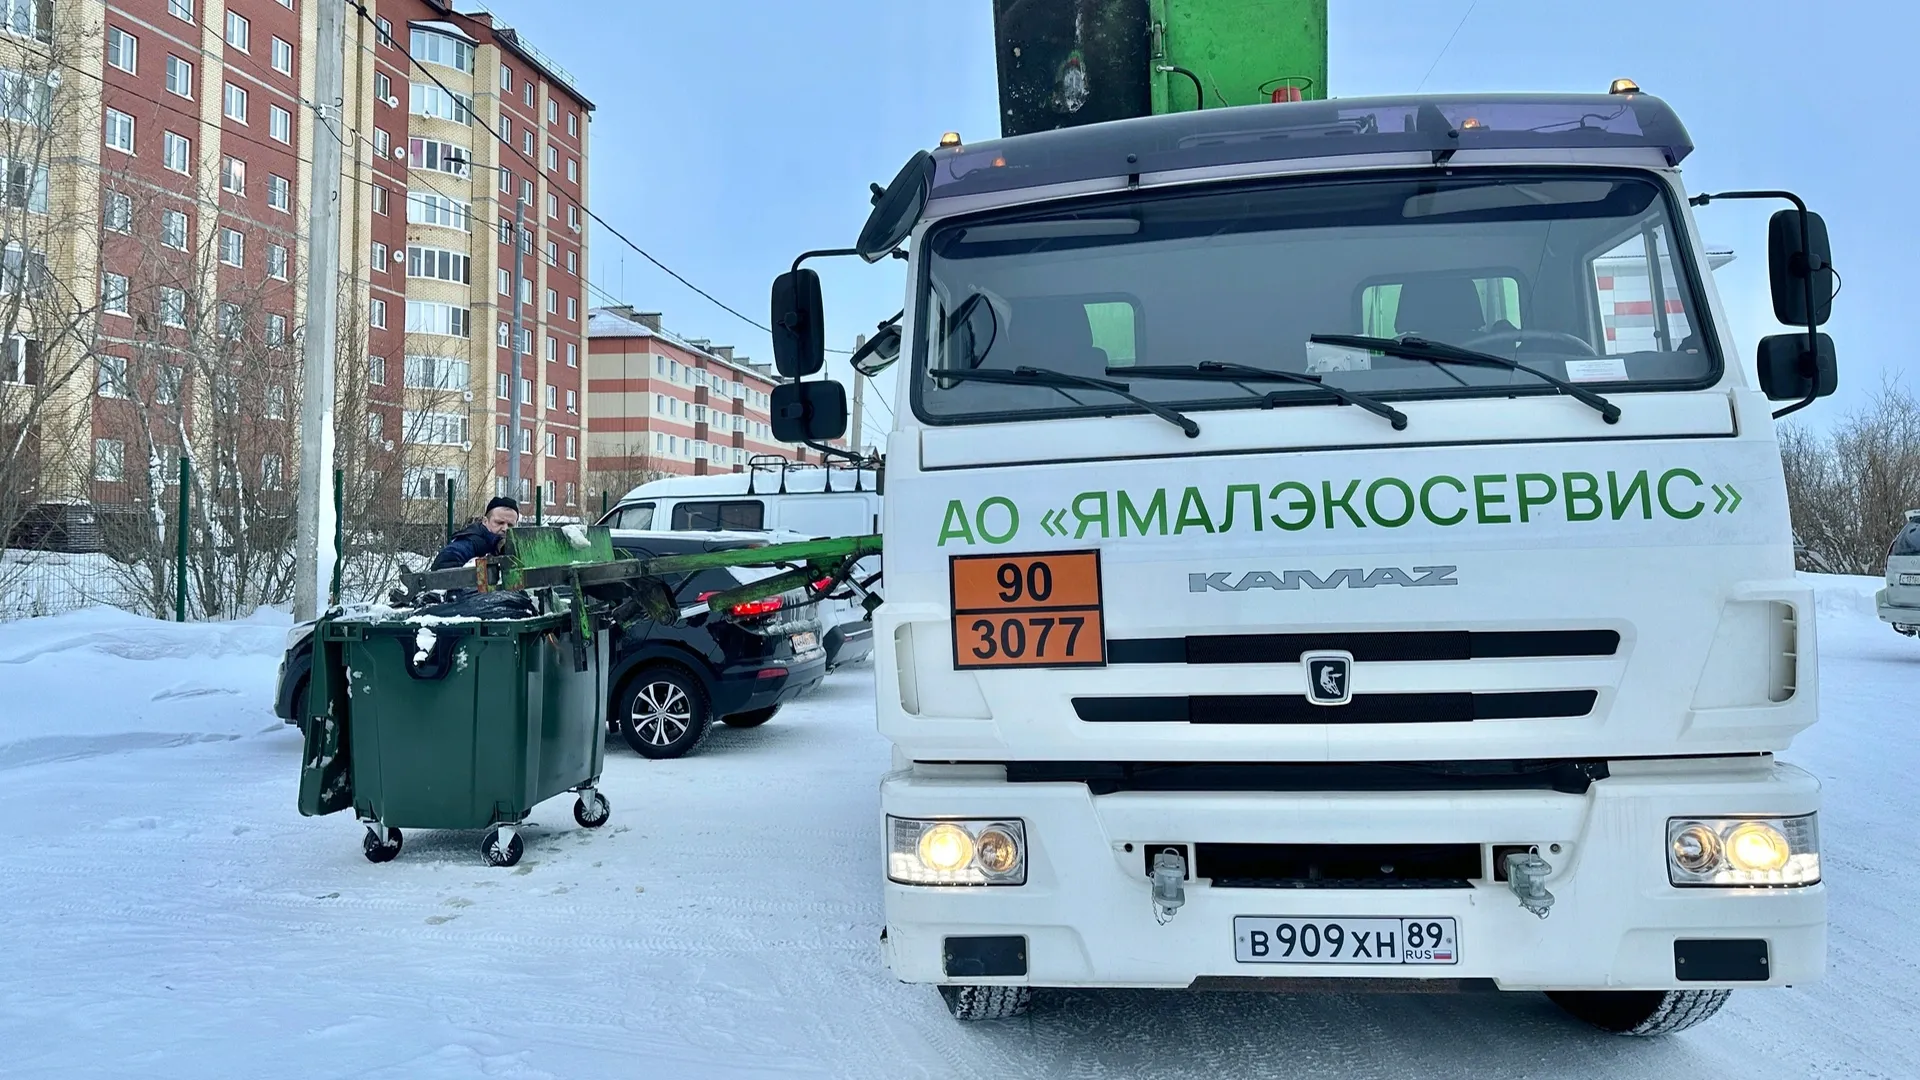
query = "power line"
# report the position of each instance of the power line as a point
(1448, 45)
(367, 16)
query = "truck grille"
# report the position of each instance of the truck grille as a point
(1416, 645)
(1333, 866)
(1412, 708)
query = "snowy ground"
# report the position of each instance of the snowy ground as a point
(165, 912)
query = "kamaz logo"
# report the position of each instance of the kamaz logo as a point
(1290, 580)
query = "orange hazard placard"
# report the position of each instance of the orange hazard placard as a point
(1039, 610)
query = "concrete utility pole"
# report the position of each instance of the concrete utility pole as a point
(315, 522)
(519, 331)
(859, 391)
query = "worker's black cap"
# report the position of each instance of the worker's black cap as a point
(503, 501)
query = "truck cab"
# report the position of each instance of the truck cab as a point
(1337, 542)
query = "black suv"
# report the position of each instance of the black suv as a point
(670, 683)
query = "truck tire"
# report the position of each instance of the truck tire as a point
(752, 718)
(987, 1002)
(1641, 1012)
(663, 712)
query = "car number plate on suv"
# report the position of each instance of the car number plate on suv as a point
(1271, 939)
(804, 641)
(1910, 579)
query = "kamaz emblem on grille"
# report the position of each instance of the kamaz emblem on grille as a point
(1289, 580)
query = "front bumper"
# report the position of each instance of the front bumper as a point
(1087, 918)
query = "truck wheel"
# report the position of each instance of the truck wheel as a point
(664, 712)
(751, 718)
(1641, 1012)
(987, 1002)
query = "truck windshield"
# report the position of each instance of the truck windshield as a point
(1580, 275)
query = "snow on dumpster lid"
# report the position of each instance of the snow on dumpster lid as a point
(1304, 129)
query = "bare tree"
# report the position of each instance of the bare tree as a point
(619, 471)
(49, 299)
(1850, 489)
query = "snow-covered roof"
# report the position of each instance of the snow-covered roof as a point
(607, 323)
(604, 323)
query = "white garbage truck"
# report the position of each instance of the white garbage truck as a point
(1337, 544)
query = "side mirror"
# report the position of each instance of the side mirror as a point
(1787, 373)
(896, 208)
(880, 351)
(809, 411)
(1790, 262)
(799, 330)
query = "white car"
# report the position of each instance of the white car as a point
(1899, 602)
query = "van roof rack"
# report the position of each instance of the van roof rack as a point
(775, 463)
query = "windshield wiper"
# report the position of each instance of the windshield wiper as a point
(1439, 352)
(1060, 380)
(1221, 371)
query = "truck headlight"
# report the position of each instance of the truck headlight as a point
(956, 852)
(1771, 851)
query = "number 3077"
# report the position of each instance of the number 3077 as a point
(1023, 637)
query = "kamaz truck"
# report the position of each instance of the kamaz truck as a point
(1331, 543)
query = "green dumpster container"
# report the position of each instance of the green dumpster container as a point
(454, 724)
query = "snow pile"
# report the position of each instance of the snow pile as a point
(576, 535)
(1837, 596)
(423, 646)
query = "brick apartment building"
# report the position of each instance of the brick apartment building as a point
(159, 224)
(660, 404)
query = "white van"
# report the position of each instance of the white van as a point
(1899, 602)
(773, 496)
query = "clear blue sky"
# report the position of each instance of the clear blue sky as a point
(732, 134)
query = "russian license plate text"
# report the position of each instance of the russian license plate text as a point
(1269, 939)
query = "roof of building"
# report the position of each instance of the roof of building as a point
(605, 322)
(509, 39)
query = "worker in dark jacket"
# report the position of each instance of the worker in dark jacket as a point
(481, 538)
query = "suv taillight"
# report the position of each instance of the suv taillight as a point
(752, 607)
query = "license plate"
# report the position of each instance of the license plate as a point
(1269, 939)
(804, 641)
(1910, 579)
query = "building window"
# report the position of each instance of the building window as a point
(434, 428)
(527, 96)
(573, 262)
(437, 48)
(553, 111)
(173, 306)
(239, 31)
(437, 373)
(505, 282)
(377, 314)
(501, 333)
(573, 354)
(234, 104)
(573, 217)
(377, 370)
(382, 86)
(573, 170)
(440, 264)
(440, 156)
(553, 302)
(526, 291)
(109, 460)
(119, 212)
(380, 200)
(553, 253)
(526, 391)
(283, 57)
(432, 482)
(180, 9)
(179, 77)
(233, 321)
(526, 440)
(553, 157)
(506, 129)
(506, 179)
(279, 192)
(501, 384)
(233, 247)
(506, 77)
(573, 401)
(425, 99)
(119, 130)
(272, 472)
(573, 123)
(572, 494)
(573, 308)
(526, 194)
(526, 141)
(428, 317)
(553, 353)
(379, 256)
(382, 142)
(276, 395)
(166, 391)
(233, 176)
(553, 205)
(279, 123)
(113, 294)
(176, 151)
(123, 50)
(276, 262)
(383, 32)
(432, 208)
(173, 229)
(376, 423)
(553, 396)
(276, 330)
(111, 380)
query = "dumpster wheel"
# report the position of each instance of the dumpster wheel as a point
(503, 846)
(381, 843)
(591, 812)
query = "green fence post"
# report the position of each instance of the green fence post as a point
(339, 534)
(538, 490)
(180, 543)
(449, 508)
(603, 502)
